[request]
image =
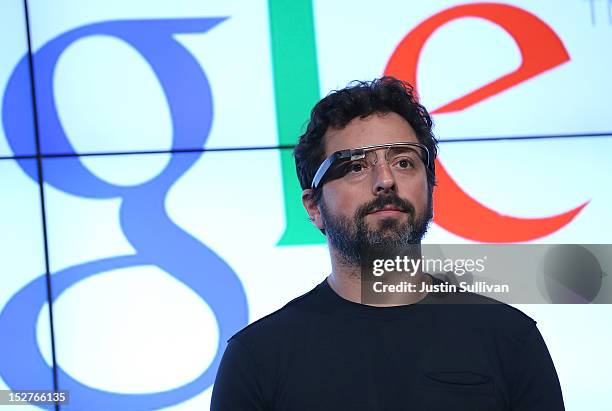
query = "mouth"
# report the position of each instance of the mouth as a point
(388, 211)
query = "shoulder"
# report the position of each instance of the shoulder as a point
(282, 322)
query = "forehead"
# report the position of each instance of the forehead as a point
(374, 129)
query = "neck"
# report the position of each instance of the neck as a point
(347, 281)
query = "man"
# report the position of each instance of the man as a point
(366, 166)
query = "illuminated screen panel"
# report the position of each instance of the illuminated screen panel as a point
(516, 68)
(17, 125)
(152, 76)
(25, 346)
(534, 181)
(156, 261)
(139, 249)
(550, 191)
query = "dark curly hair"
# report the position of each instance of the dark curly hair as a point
(361, 99)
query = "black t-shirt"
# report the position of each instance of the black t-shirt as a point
(322, 352)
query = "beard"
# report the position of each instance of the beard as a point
(358, 244)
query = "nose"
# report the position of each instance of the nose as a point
(384, 180)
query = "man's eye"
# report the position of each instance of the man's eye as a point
(355, 168)
(405, 163)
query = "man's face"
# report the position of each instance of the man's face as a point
(383, 213)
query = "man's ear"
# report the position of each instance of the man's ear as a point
(310, 204)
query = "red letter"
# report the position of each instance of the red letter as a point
(541, 50)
